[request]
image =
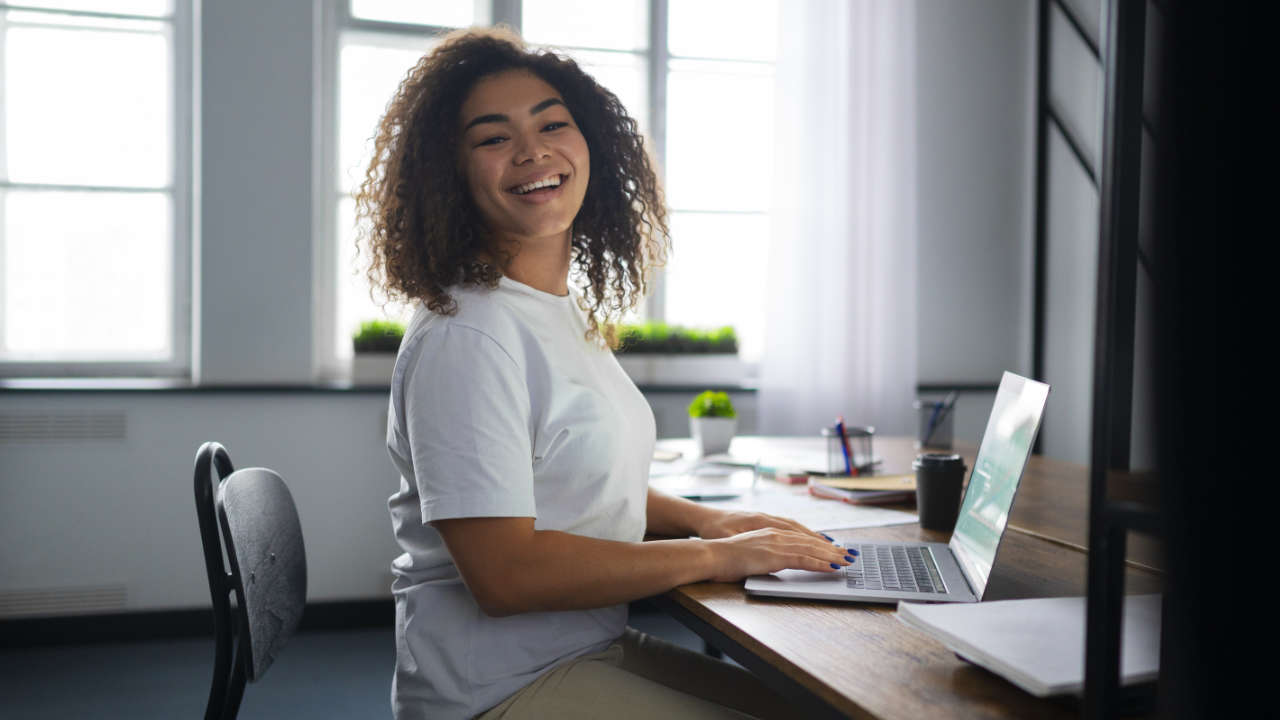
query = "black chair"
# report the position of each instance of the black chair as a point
(262, 538)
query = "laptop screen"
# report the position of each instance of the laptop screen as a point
(1006, 444)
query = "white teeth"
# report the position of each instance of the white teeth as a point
(552, 181)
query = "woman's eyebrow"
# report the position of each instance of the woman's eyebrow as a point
(497, 117)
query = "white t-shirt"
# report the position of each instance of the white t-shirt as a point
(504, 410)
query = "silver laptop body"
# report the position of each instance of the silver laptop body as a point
(957, 571)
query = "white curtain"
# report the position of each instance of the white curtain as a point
(841, 328)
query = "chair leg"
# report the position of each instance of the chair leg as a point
(221, 672)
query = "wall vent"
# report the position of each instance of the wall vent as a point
(63, 601)
(33, 426)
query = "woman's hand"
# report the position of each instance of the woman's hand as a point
(771, 549)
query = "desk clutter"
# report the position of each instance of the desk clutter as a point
(782, 476)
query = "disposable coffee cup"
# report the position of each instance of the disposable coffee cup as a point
(939, 479)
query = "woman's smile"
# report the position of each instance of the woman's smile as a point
(542, 190)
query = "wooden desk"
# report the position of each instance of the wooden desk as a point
(857, 660)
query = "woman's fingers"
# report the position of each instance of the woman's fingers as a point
(813, 554)
(790, 524)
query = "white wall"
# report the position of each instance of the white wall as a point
(975, 102)
(256, 113)
(94, 517)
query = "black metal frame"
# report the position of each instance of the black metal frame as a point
(227, 688)
(1110, 521)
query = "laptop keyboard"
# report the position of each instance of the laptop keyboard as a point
(894, 567)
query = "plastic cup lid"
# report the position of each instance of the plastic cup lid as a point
(937, 460)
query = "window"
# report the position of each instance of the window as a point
(94, 196)
(704, 100)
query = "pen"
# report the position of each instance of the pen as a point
(940, 411)
(708, 498)
(844, 445)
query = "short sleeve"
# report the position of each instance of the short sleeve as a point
(467, 415)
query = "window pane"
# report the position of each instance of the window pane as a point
(104, 122)
(613, 25)
(719, 136)
(726, 29)
(154, 8)
(716, 275)
(354, 305)
(1075, 85)
(368, 74)
(623, 74)
(93, 285)
(442, 13)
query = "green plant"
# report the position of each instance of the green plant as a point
(712, 403)
(378, 336)
(657, 337)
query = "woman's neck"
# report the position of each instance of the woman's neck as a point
(542, 265)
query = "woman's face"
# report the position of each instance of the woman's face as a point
(524, 159)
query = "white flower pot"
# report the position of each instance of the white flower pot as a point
(712, 434)
(372, 368)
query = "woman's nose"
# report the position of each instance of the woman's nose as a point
(530, 149)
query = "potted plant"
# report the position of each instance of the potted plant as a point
(656, 353)
(712, 421)
(375, 345)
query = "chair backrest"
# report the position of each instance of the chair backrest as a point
(262, 538)
(268, 562)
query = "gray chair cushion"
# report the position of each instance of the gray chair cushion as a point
(261, 527)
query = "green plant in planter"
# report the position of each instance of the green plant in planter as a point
(712, 403)
(378, 336)
(658, 337)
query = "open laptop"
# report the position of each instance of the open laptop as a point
(958, 570)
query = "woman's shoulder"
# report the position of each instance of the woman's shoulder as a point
(478, 311)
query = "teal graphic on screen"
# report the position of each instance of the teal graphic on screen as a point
(1011, 429)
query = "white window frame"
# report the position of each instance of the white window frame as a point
(338, 20)
(180, 190)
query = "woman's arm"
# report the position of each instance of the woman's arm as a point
(512, 568)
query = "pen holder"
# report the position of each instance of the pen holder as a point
(859, 444)
(936, 424)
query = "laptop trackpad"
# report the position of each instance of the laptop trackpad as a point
(802, 577)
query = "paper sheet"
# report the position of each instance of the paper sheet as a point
(813, 513)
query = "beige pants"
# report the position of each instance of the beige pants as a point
(639, 676)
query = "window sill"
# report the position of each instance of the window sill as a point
(176, 385)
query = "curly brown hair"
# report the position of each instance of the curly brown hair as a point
(425, 233)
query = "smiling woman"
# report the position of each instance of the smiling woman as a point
(522, 446)
(433, 197)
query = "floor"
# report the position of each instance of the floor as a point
(319, 675)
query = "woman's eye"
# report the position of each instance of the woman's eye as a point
(556, 126)
(493, 140)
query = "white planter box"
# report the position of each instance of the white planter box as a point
(372, 368)
(712, 434)
(690, 369)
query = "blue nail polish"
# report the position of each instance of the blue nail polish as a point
(848, 559)
(835, 566)
(851, 551)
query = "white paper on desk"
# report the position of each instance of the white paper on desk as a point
(694, 466)
(814, 513)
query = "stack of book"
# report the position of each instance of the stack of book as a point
(865, 489)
